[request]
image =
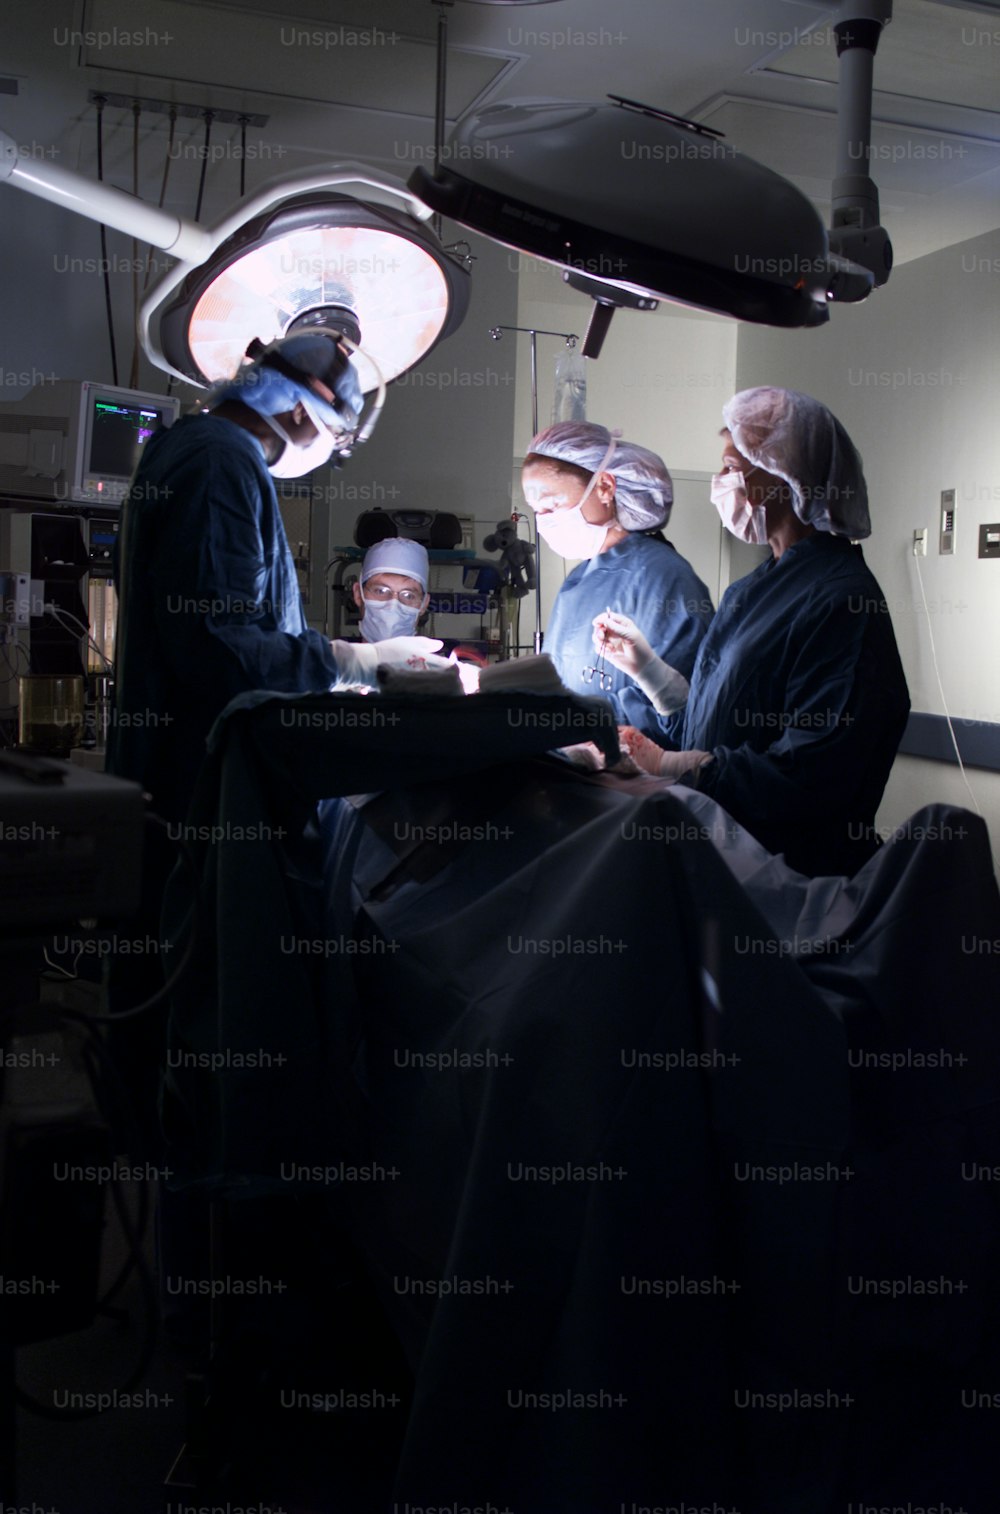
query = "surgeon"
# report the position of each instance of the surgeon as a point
(209, 601)
(604, 500)
(209, 608)
(392, 591)
(798, 700)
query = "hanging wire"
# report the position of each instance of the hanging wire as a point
(163, 189)
(62, 616)
(243, 156)
(440, 97)
(134, 370)
(209, 118)
(100, 103)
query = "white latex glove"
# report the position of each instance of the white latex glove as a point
(643, 752)
(410, 652)
(623, 645)
(357, 661)
(684, 767)
(679, 766)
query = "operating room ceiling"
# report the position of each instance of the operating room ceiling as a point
(353, 80)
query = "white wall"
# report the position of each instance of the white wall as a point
(914, 375)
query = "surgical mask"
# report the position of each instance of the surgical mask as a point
(297, 458)
(381, 622)
(567, 531)
(741, 519)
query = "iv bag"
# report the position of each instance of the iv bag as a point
(570, 401)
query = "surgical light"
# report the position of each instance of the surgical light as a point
(636, 205)
(317, 262)
(343, 248)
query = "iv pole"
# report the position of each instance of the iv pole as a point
(571, 339)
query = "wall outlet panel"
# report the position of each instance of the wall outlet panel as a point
(946, 540)
(989, 540)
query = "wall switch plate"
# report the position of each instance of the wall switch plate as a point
(946, 541)
(989, 540)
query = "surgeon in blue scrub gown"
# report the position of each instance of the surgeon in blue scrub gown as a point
(209, 608)
(798, 699)
(602, 499)
(209, 600)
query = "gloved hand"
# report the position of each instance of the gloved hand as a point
(623, 645)
(679, 766)
(684, 767)
(643, 752)
(410, 652)
(357, 661)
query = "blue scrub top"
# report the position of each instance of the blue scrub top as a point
(647, 579)
(799, 692)
(211, 604)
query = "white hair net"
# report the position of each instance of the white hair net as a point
(796, 438)
(643, 489)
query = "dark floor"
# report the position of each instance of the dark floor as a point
(256, 1448)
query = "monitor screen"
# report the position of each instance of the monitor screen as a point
(118, 433)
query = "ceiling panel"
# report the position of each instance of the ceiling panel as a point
(745, 66)
(928, 52)
(801, 144)
(360, 64)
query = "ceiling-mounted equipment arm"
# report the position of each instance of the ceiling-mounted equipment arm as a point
(856, 233)
(181, 238)
(102, 202)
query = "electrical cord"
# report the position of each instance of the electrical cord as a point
(97, 1064)
(209, 118)
(944, 702)
(100, 102)
(193, 930)
(113, 1104)
(163, 189)
(56, 968)
(13, 666)
(62, 616)
(134, 370)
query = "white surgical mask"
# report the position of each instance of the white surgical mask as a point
(297, 458)
(567, 531)
(741, 519)
(381, 622)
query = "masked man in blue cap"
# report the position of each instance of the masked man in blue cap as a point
(392, 590)
(209, 600)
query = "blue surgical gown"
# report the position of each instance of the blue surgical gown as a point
(799, 692)
(210, 606)
(643, 577)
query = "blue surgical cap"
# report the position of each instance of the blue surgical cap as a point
(397, 554)
(270, 392)
(799, 440)
(643, 489)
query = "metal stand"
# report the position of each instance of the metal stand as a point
(571, 339)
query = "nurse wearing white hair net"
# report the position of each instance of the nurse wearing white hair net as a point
(604, 500)
(798, 699)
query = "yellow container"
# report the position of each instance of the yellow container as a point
(50, 713)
